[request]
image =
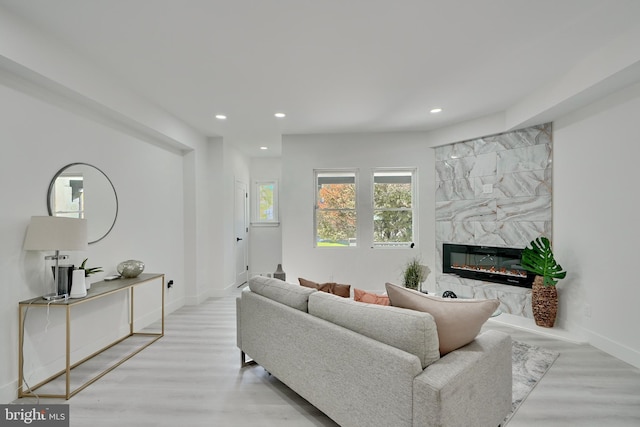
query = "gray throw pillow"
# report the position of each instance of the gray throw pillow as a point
(458, 320)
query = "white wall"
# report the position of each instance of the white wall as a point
(596, 232)
(39, 138)
(362, 266)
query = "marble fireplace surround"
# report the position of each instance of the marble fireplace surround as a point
(493, 191)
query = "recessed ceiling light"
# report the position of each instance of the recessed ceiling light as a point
(264, 148)
(280, 115)
(221, 117)
(435, 110)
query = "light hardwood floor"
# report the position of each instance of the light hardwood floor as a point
(192, 377)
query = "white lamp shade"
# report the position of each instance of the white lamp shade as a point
(55, 233)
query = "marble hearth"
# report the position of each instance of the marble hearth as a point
(513, 299)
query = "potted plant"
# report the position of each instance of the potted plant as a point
(414, 273)
(539, 259)
(88, 271)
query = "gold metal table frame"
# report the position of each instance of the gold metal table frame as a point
(97, 291)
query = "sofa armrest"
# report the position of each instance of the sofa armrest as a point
(470, 386)
(238, 326)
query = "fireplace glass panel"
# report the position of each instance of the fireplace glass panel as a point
(486, 263)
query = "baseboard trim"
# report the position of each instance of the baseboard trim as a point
(617, 350)
(530, 326)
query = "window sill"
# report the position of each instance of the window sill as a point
(265, 224)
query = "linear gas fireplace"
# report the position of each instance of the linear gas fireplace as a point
(486, 263)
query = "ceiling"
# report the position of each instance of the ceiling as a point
(330, 65)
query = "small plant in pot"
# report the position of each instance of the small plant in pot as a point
(539, 259)
(88, 271)
(414, 274)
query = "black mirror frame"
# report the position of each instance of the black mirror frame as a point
(53, 182)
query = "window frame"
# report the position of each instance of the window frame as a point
(316, 174)
(255, 211)
(414, 208)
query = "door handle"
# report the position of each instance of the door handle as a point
(238, 239)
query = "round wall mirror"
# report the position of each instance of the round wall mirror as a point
(80, 190)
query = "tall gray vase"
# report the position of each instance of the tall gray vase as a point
(280, 274)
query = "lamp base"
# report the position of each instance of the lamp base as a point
(55, 297)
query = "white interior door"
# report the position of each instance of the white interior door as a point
(241, 232)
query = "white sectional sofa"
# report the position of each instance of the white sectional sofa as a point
(371, 365)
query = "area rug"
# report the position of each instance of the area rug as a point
(529, 364)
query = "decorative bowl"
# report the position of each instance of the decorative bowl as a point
(130, 268)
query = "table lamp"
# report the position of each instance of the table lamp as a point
(55, 233)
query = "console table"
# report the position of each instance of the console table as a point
(98, 290)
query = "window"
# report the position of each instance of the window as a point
(393, 208)
(265, 210)
(335, 208)
(387, 219)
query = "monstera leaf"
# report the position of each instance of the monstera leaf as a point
(538, 259)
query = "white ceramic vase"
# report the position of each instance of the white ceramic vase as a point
(78, 288)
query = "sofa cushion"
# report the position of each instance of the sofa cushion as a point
(458, 320)
(369, 297)
(330, 287)
(283, 292)
(407, 330)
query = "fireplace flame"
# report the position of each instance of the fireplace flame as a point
(502, 270)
